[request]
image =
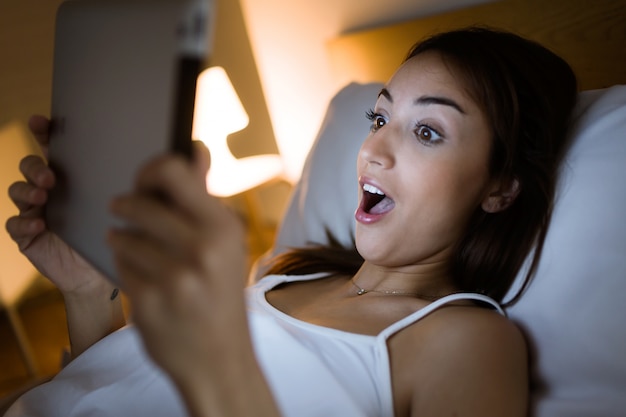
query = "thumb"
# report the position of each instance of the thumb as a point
(201, 158)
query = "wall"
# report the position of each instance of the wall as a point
(289, 42)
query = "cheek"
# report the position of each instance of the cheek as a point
(452, 195)
(471, 189)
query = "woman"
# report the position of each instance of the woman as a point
(457, 179)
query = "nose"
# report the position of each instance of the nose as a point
(377, 149)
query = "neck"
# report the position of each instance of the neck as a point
(431, 280)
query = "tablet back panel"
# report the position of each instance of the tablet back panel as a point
(123, 90)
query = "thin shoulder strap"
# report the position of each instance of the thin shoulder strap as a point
(423, 312)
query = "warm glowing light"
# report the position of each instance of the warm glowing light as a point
(218, 113)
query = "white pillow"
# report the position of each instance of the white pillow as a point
(574, 311)
(327, 193)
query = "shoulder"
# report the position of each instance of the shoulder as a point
(464, 328)
(475, 328)
(463, 359)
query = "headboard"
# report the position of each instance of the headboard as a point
(590, 36)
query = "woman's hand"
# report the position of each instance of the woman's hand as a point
(91, 313)
(48, 253)
(182, 260)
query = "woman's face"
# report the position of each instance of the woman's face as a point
(428, 153)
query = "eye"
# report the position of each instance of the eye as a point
(377, 120)
(427, 135)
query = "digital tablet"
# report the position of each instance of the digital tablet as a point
(124, 78)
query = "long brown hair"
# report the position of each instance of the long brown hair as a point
(527, 93)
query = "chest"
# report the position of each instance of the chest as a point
(327, 306)
(362, 315)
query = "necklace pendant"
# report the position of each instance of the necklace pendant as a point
(361, 291)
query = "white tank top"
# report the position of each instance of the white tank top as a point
(320, 371)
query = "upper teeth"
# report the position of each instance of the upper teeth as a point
(371, 189)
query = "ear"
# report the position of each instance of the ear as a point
(502, 196)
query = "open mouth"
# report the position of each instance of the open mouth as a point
(375, 201)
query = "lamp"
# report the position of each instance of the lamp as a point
(218, 112)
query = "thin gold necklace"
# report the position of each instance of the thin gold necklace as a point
(361, 291)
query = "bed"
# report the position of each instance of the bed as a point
(573, 312)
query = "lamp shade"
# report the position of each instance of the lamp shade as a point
(218, 113)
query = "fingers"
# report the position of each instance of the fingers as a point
(40, 128)
(37, 172)
(24, 230)
(149, 215)
(182, 185)
(33, 192)
(29, 197)
(171, 221)
(25, 196)
(25, 227)
(201, 157)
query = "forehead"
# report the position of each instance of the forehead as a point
(429, 73)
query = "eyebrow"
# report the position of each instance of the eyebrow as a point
(427, 100)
